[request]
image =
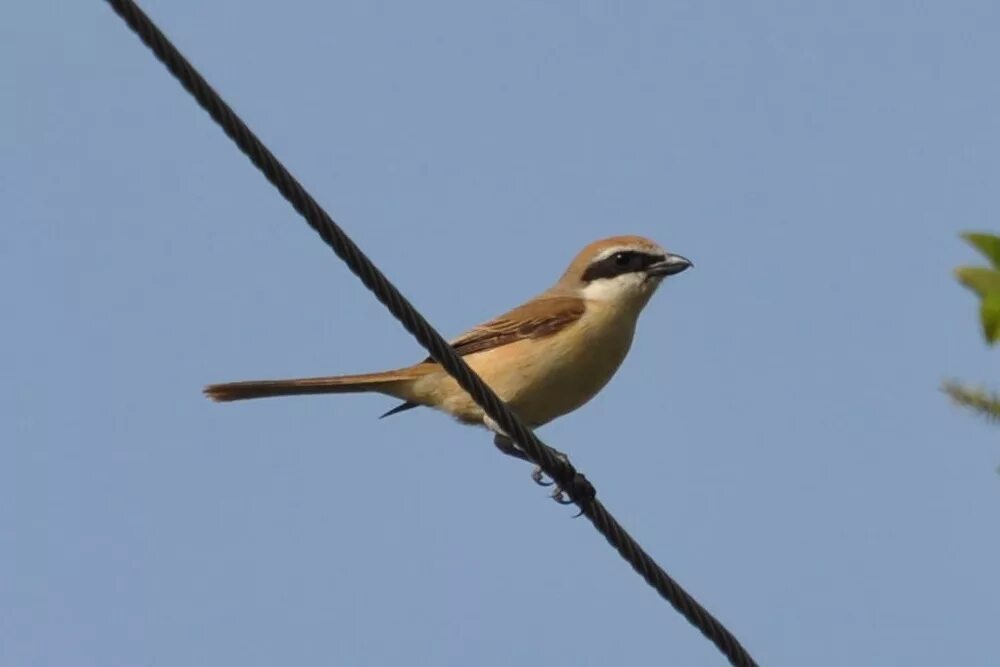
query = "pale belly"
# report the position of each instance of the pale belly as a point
(543, 379)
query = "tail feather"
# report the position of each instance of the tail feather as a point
(386, 383)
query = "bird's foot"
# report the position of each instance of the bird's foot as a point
(508, 447)
(558, 494)
(539, 475)
(561, 497)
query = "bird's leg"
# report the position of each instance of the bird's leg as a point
(504, 443)
(509, 447)
(558, 494)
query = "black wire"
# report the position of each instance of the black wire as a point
(564, 474)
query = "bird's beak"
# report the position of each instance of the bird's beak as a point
(670, 265)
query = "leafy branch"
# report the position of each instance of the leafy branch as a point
(985, 283)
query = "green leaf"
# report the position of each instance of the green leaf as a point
(988, 244)
(980, 280)
(989, 313)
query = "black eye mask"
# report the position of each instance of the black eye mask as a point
(619, 263)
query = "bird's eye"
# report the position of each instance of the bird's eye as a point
(623, 258)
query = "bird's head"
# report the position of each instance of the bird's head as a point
(624, 270)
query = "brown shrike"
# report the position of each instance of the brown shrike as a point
(545, 358)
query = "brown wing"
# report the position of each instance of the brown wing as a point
(538, 318)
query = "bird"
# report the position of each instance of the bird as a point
(544, 358)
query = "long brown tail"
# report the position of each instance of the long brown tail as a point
(388, 382)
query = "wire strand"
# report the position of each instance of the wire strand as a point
(564, 474)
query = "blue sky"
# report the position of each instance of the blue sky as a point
(777, 438)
